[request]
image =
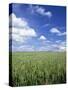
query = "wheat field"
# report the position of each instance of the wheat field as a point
(38, 68)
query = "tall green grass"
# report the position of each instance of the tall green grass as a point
(38, 68)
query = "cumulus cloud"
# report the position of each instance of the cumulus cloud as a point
(60, 46)
(48, 13)
(41, 11)
(15, 21)
(21, 32)
(28, 32)
(19, 29)
(57, 31)
(54, 30)
(42, 37)
(61, 34)
(58, 41)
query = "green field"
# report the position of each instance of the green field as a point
(38, 68)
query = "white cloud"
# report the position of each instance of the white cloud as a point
(26, 48)
(20, 29)
(52, 46)
(42, 48)
(54, 30)
(58, 41)
(42, 37)
(22, 48)
(29, 32)
(57, 31)
(16, 37)
(14, 21)
(19, 38)
(46, 25)
(48, 13)
(63, 44)
(62, 48)
(61, 34)
(40, 10)
(22, 32)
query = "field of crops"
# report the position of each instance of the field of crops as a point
(38, 68)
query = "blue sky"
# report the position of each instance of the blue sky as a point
(37, 27)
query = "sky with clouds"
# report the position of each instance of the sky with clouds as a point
(37, 27)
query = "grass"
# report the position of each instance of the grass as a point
(38, 68)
